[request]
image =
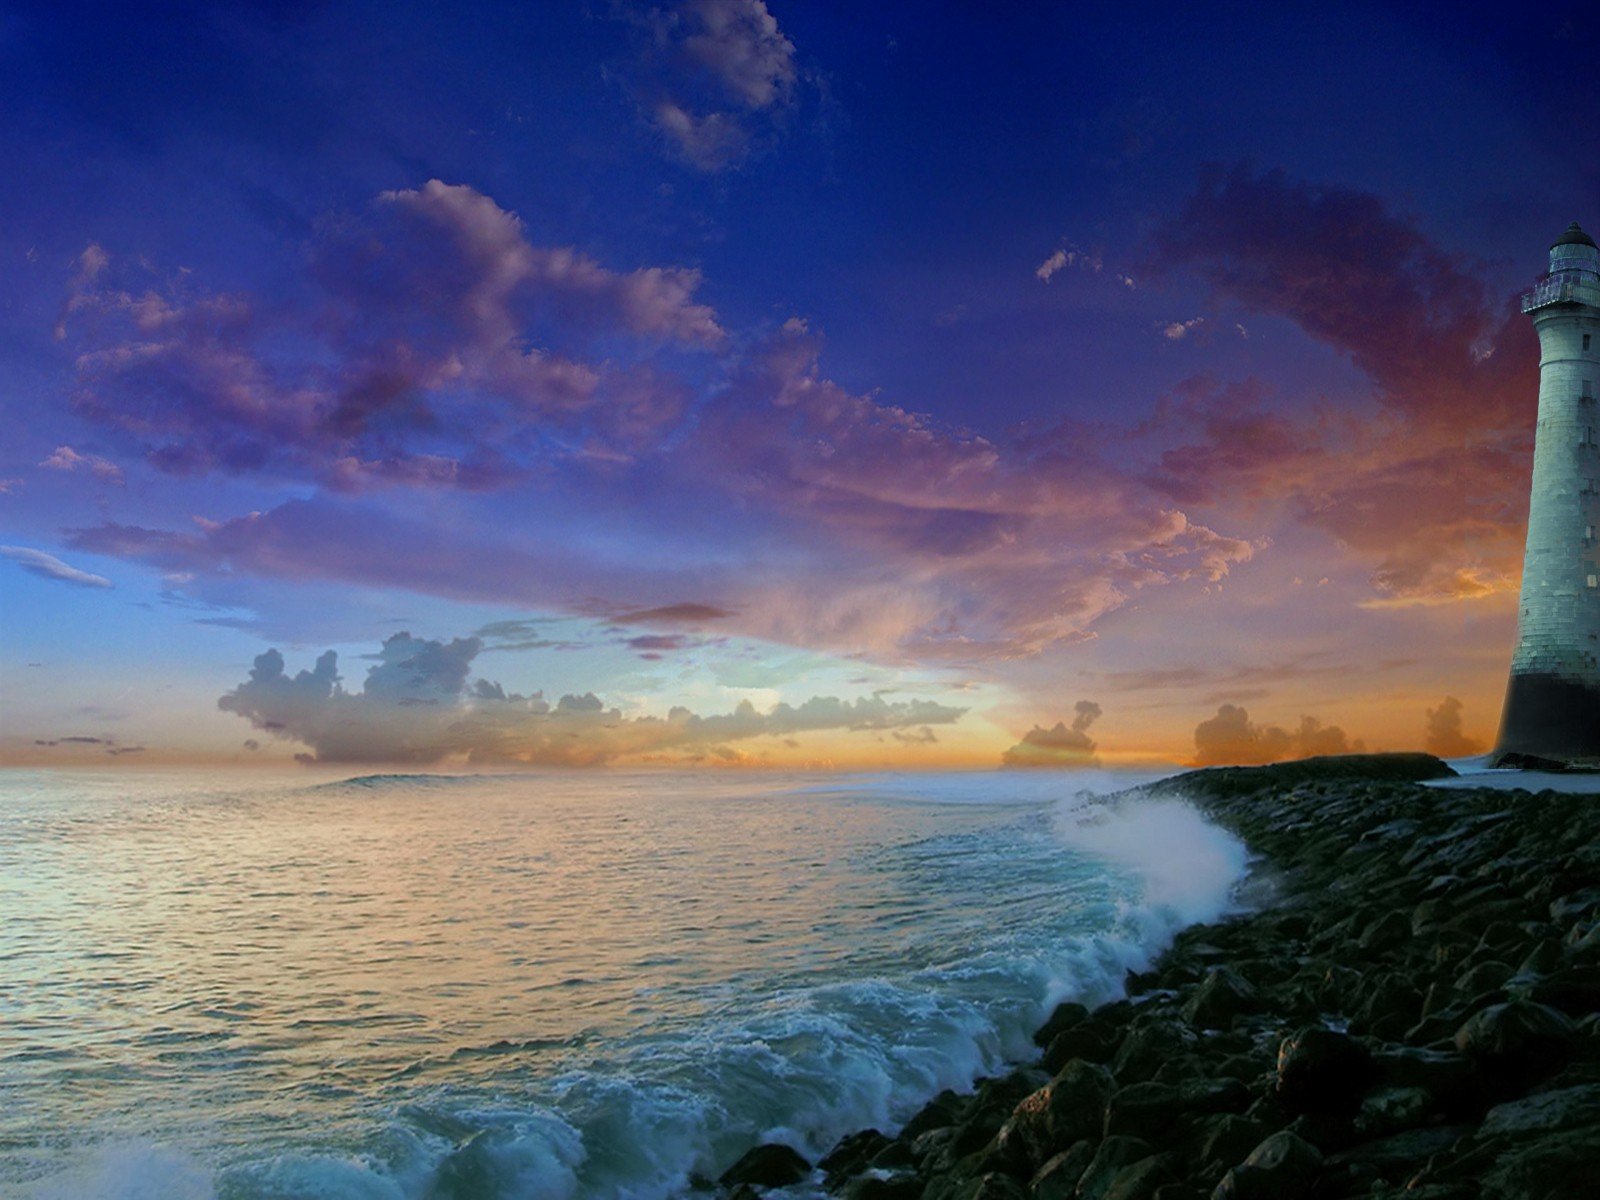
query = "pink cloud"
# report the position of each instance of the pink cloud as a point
(414, 357)
(65, 458)
(1430, 488)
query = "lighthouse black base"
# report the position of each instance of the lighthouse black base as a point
(1547, 716)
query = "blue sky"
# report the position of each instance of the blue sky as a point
(1150, 357)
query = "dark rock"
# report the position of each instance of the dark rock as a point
(1148, 1045)
(1062, 1019)
(901, 1153)
(944, 1109)
(1512, 760)
(1077, 1103)
(901, 1186)
(1561, 1167)
(850, 1155)
(1390, 1110)
(1144, 1110)
(1109, 1158)
(991, 1187)
(1202, 1095)
(1092, 1041)
(767, 1166)
(1575, 990)
(1322, 1071)
(1139, 1181)
(1221, 996)
(1058, 1178)
(1283, 1167)
(1516, 1044)
(1544, 1113)
(1400, 1155)
(1388, 931)
(1226, 1140)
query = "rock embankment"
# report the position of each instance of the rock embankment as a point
(1410, 1011)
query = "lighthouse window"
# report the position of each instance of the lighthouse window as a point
(1586, 341)
(1594, 581)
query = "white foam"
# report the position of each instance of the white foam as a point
(125, 1170)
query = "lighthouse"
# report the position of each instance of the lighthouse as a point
(1552, 705)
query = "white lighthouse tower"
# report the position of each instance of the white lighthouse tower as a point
(1553, 700)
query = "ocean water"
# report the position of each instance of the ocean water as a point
(544, 986)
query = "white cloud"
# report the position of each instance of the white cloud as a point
(65, 458)
(48, 566)
(416, 705)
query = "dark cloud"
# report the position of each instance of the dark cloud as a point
(1444, 735)
(1231, 739)
(416, 706)
(1059, 746)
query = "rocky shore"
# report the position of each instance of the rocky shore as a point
(1408, 1008)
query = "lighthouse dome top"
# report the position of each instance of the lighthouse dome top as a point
(1574, 236)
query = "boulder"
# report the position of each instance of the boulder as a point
(1150, 1044)
(850, 1155)
(1283, 1167)
(899, 1186)
(1321, 1071)
(1058, 1178)
(1221, 996)
(767, 1166)
(1545, 1113)
(1145, 1110)
(1139, 1180)
(1062, 1019)
(1109, 1158)
(1559, 1167)
(1516, 1044)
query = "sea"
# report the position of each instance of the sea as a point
(549, 986)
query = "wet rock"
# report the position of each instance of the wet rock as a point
(1560, 1167)
(1148, 1045)
(944, 1109)
(1109, 1158)
(1545, 1113)
(991, 1187)
(1400, 1155)
(1574, 991)
(1140, 1180)
(1516, 1044)
(1092, 1041)
(1388, 931)
(1058, 1178)
(1283, 1167)
(1390, 1110)
(767, 1166)
(1222, 995)
(1077, 1103)
(899, 1186)
(1321, 1071)
(850, 1155)
(1065, 1017)
(1144, 1110)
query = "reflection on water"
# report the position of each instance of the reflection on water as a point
(546, 985)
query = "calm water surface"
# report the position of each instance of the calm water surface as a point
(555, 985)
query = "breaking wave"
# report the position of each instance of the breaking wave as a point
(969, 936)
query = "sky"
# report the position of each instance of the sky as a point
(770, 384)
